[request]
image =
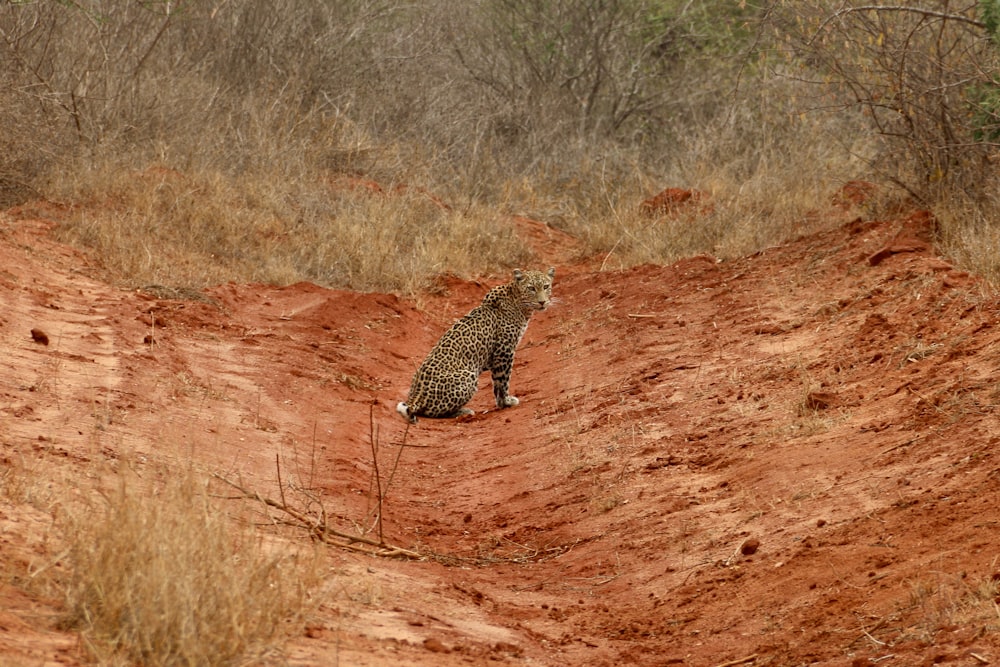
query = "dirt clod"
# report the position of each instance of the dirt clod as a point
(434, 645)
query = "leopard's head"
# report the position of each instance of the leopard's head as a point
(533, 289)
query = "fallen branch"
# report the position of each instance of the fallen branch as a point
(323, 532)
(740, 661)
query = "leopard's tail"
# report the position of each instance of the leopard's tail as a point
(404, 410)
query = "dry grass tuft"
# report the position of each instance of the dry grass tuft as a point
(163, 578)
(163, 227)
(969, 233)
(954, 601)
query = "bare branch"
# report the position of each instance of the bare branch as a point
(322, 531)
(896, 8)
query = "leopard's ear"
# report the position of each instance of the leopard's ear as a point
(518, 275)
(552, 272)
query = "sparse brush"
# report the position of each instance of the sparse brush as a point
(760, 173)
(199, 162)
(162, 227)
(968, 233)
(189, 159)
(949, 601)
(164, 578)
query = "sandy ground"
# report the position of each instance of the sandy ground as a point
(787, 459)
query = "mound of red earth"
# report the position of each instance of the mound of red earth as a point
(785, 459)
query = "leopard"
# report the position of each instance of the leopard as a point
(483, 340)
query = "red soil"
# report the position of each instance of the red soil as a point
(786, 459)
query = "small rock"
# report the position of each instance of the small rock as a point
(750, 546)
(434, 645)
(39, 336)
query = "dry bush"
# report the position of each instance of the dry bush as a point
(923, 76)
(569, 112)
(164, 578)
(764, 170)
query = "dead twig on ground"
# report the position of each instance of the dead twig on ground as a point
(739, 661)
(373, 438)
(376, 479)
(321, 531)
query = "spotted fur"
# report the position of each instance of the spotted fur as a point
(483, 340)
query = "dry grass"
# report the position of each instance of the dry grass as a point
(198, 144)
(949, 601)
(15, 482)
(163, 227)
(969, 233)
(164, 578)
(186, 159)
(30, 489)
(159, 226)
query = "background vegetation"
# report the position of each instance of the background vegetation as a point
(195, 141)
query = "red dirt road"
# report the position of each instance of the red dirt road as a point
(787, 459)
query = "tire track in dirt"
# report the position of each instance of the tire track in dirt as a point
(76, 357)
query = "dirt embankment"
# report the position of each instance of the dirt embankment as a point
(786, 459)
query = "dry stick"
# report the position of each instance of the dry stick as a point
(740, 661)
(323, 530)
(383, 492)
(313, 499)
(873, 640)
(312, 458)
(729, 561)
(54, 561)
(887, 8)
(399, 452)
(368, 498)
(281, 487)
(373, 437)
(610, 252)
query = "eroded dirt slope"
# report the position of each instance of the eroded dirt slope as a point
(786, 459)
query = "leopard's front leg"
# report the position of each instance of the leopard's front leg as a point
(500, 371)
